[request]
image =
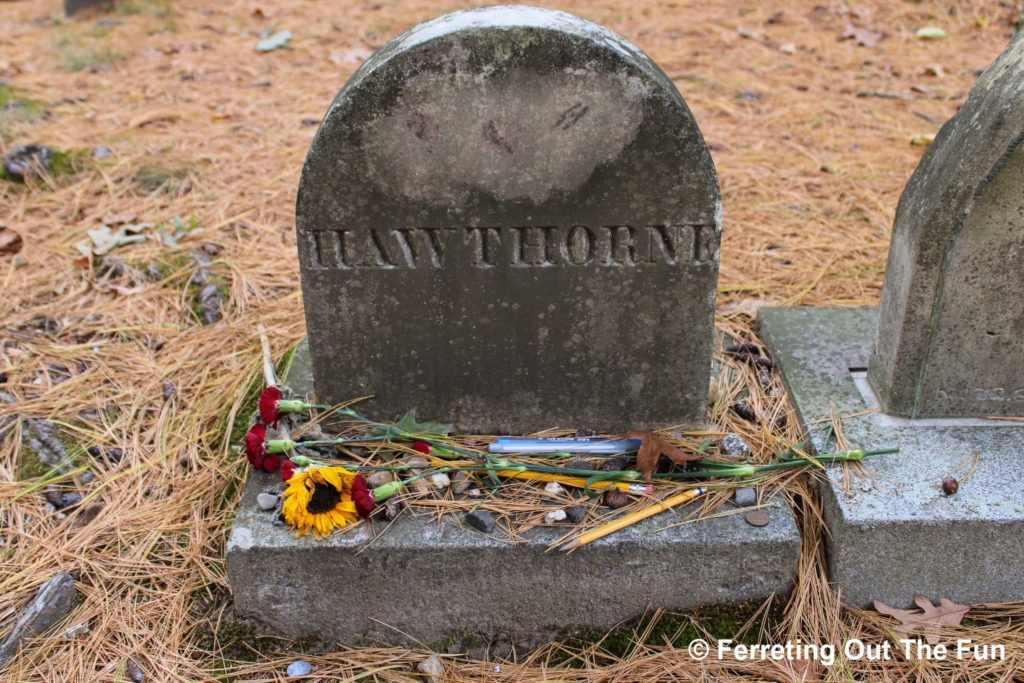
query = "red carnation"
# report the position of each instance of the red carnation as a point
(271, 462)
(287, 470)
(255, 449)
(268, 405)
(362, 496)
(421, 447)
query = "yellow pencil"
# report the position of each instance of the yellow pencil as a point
(578, 482)
(627, 520)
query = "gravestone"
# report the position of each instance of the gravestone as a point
(75, 6)
(509, 219)
(945, 348)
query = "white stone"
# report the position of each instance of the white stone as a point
(555, 516)
(554, 488)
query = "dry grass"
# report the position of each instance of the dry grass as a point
(200, 125)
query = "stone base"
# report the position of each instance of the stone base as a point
(426, 580)
(900, 535)
(75, 6)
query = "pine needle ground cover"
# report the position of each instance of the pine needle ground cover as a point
(135, 273)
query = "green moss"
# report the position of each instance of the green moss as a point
(15, 107)
(461, 640)
(30, 466)
(87, 58)
(63, 163)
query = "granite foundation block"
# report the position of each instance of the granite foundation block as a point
(900, 534)
(426, 580)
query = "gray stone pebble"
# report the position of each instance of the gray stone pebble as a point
(266, 501)
(576, 513)
(733, 444)
(745, 496)
(481, 520)
(579, 464)
(300, 668)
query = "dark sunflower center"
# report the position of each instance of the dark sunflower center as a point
(324, 498)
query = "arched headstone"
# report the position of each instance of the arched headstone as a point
(509, 219)
(950, 337)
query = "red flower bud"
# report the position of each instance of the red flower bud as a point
(271, 462)
(421, 447)
(362, 496)
(255, 450)
(287, 470)
(268, 405)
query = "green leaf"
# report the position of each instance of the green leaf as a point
(409, 425)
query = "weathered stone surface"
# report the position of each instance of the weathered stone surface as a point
(54, 601)
(509, 219)
(430, 580)
(900, 534)
(73, 6)
(450, 579)
(951, 323)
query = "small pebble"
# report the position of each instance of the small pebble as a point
(86, 477)
(555, 516)
(757, 518)
(745, 496)
(416, 464)
(579, 464)
(76, 630)
(615, 499)
(440, 481)
(135, 671)
(101, 153)
(392, 509)
(379, 478)
(554, 488)
(433, 668)
(576, 513)
(300, 668)
(733, 444)
(475, 493)
(461, 482)
(266, 501)
(481, 520)
(613, 465)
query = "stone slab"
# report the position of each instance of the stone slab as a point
(902, 535)
(950, 340)
(510, 217)
(430, 579)
(75, 6)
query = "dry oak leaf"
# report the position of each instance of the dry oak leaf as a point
(861, 36)
(652, 446)
(929, 619)
(10, 241)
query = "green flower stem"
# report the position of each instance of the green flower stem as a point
(722, 469)
(293, 406)
(387, 490)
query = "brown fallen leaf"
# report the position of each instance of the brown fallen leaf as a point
(10, 241)
(861, 36)
(929, 619)
(651, 447)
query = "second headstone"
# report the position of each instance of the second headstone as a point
(510, 220)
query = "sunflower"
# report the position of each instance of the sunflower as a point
(321, 500)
